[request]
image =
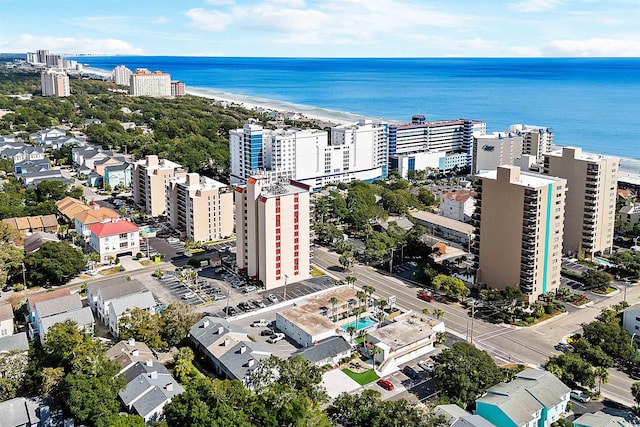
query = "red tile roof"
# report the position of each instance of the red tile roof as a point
(110, 228)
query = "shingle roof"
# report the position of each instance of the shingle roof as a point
(238, 361)
(207, 335)
(33, 242)
(147, 391)
(472, 421)
(15, 342)
(95, 215)
(600, 419)
(6, 312)
(83, 316)
(117, 290)
(142, 300)
(112, 228)
(125, 354)
(45, 296)
(519, 406)
(58, 305)
(329, 347)
(18, 412)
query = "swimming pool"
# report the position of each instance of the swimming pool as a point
(147, 229)
(365, 322)
(603, 261)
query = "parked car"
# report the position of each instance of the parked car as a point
(229, 311)
(272, 298)
(564, 347)
(266, 332)
(410, 372)
(258, 303)
(244, 306)
(426, 297)
(426, 365)
(579, 396)
(188, 295)
(385, 384)
(218, 297)
(259, 323)
(275, 338)
(249, 289)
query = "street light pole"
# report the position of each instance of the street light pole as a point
(284, 295)
(24, 275)
(391, 262)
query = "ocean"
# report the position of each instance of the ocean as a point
(593, 103)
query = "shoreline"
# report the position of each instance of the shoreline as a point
(324, 115)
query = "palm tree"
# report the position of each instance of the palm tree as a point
(351, 330)
(382, 303)
(380, 317)
(358, 311)
(441, 338)
(361, 296)
(602, 374)
(374, 350)
(334, 301)
(350, 280)
(439, 313)
(369, 290)
(426, 311)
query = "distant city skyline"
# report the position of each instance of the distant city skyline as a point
(325, 28)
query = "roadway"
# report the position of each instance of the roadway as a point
(506, 344)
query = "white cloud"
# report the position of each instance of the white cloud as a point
(476, 45)
(525, 52)
(29, 42)
(599, 47)
(161, 20)
(211, 20)
(101, 23)
(221, 2)
(528, 6)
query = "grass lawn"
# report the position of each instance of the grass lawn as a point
(363, 378)
(112, 270)
(315, 272)
(146, 262)
(604, 290)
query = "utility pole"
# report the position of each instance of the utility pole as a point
(284, 296)
(473, 313)
(24, 276)
(391, 262)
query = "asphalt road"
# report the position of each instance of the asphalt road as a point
(531, 346)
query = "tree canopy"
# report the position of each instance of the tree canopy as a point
(54, 263)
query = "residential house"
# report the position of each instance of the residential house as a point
(94, 287)
(533, 398)
(629, 214)
(69, 207)
(20, 152)
(41, 137)
(19, 412)
(33, 299)
(458, 204)
(149, 387)
(129, 352)
(32, 224)
(116, 175)
(95, 214)
(29, 167)
(32, 178)
(600, 419)
(114, 291)
(119, 306)
(6, 320)
(405, 338)
(54, 306)
(455, 416)
(82, 317)
(114, 238)
(227, 348)
(33, 242)
(58, 143)
(329, 351)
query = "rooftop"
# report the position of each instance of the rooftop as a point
(96, 214)
(44, 296)
(130, 351)
(405, 330)
(443, 221)
(520, 406)
(524, 179)
(15, 342)
(6, 312)
(578, 154)
(81, 317)
(328, 347)
(142, 300)
(460, 195)
(58, 305)
(307, 320)
(111, 228)
(119, 289)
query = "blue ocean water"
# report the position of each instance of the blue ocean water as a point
(593, 103)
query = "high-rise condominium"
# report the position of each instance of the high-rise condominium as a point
(145, 83)
(592, 182)
(121, 75)
(55, 83)
(355, 151)
(272, 230)
(519, 221)
(150, 178)
(200, 207)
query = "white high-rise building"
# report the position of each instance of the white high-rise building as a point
(121, 75)
(55, 83)
(272, 230)
(145, 83)
(495, 149)
(32, 57)
(537, 140)
(356, 151)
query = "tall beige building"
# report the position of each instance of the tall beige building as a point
(201, 207)
(590, 214)
(55, 83)
(536, 140)
(272, 230)
(519, 221)
(145, 83)
(151, 176)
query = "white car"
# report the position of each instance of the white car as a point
(188, 295)
(259, 323)
(272, 298)
(275, 338)
(579, 396)
(425, 365)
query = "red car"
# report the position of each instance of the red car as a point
(385, 384)
(426, 297)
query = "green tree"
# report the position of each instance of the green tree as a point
(452, 286)
(602, 374)
(347, 260)
(183, 365)
(175, 322)
(464, 372)
(121, 420)
(635, 392)
(141, 325)
(595, 279)
(573, 370)
(54, 263)
(333, 301)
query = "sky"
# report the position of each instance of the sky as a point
(324, 28)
